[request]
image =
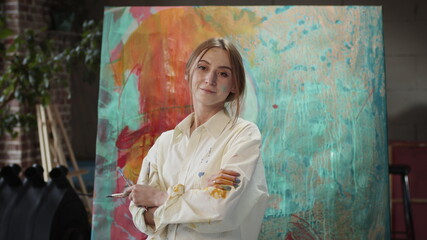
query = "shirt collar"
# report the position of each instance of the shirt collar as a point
(184, 126)
(214, 126)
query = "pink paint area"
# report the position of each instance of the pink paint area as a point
(140, 13)
(275, 106)
(122, 158)
(123, 224)
(116, 54)
(137, 69)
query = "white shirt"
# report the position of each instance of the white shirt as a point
(182, 164)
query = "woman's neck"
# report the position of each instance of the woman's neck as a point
(200, 117)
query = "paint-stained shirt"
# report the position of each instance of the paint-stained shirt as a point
(181, 164)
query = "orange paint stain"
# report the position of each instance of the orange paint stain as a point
(218, 193)
(178, 189)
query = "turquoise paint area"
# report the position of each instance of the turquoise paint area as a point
(129, 109)
(282, 9)
(113, 107)
(324, 141)
(112, 30)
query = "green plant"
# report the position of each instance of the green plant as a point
(88, 49)
(4, 34)
(32, 65)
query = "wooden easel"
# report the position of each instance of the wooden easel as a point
(52, 152)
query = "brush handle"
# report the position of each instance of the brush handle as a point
(116, 195)
(128, 182)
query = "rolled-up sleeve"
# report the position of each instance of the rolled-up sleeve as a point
(148, 175)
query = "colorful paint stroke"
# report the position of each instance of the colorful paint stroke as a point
(315, 89)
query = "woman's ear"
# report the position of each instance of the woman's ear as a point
(186, 76)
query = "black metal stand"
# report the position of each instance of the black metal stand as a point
(403, 171)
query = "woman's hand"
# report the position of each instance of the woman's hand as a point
(149, 216)
(145, 196)
(224, 179)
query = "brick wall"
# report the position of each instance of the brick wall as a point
(24, 149)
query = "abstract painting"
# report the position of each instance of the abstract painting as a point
(316, 89)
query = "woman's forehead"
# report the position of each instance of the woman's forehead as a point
(216, 56)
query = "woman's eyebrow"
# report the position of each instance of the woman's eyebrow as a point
(201, 60)
(227, 67)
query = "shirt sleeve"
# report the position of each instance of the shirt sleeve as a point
(148, 175)
(212, 210)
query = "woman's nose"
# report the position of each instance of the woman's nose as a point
(211, 78)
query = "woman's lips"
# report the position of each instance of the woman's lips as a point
(207, 90)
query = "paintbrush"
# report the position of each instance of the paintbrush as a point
(128, 182)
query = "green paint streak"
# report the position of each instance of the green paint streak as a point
(224, 88)
(252, 16)
(129, 108)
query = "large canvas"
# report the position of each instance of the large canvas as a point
(315, 89)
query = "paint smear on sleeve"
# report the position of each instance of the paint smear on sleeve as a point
(218, 193)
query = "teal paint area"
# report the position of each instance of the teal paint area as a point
(324, 140)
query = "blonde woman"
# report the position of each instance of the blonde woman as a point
(205, 178)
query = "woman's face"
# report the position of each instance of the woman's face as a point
(212, 79)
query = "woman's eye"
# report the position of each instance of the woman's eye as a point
(201, 67)
(224, 74)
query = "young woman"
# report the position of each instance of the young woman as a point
(205, 179)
